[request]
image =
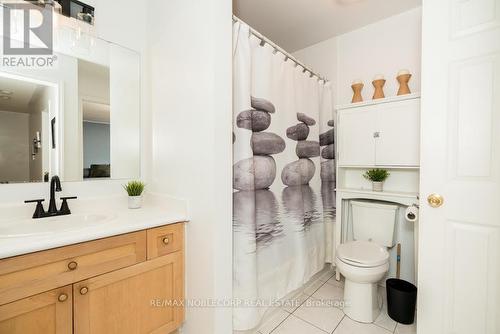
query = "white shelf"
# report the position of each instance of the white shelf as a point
(378, 101)
(368, 192)
(383, 167)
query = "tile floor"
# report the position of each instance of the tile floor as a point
(311, 315)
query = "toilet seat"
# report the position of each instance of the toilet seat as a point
(362, 254)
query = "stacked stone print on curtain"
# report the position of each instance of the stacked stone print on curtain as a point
(283, 176)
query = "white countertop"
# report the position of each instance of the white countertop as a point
(157, 210)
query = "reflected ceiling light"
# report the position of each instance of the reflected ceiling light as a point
(5, 92)
(5, 97)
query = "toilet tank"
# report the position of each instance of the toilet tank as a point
(374, 221)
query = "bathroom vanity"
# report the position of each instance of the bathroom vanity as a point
(128, 283)
(122, 274)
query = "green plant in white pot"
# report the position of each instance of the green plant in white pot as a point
(134, 190)
(377, 176)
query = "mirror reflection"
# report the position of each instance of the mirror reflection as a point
(79, 120)
(93, 92)
(26, 108)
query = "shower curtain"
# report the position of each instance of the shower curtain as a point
(284, 176)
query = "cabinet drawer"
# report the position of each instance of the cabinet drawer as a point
(27, 275)
(165, 240)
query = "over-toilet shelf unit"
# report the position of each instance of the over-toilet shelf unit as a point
(383, 133)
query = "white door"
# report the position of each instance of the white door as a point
(356, 141)
(398, 125)
(459, 253)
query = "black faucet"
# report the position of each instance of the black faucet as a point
(55, 185)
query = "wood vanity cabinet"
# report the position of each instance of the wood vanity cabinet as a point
(131, 283)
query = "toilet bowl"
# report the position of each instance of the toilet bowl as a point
(363, 264)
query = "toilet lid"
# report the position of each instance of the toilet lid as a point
(362, 254)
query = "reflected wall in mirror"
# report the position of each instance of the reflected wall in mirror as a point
(93, 92)
(89, 103)
(26, 108)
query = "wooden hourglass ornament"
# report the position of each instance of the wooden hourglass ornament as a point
(378, 82)
(403, 78)
(357, 87)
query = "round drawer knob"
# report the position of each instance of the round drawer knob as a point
(166, 240)
(84, 290)
(62, 297)
(72, 265)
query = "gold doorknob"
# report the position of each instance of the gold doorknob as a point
(84, 290)
(72, 265)
(62, 297)
(166, 241)
(435, 200)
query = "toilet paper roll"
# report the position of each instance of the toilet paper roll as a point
(411, 213)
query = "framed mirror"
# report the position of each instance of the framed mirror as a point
(79, 119)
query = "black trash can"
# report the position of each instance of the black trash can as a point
(401, 300)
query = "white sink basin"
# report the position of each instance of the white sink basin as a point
(44, 226)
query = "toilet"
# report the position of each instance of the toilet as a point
(365, 261)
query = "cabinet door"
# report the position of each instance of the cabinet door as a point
(398, 125)
(144, 298)
(48, 312)
(356, 141)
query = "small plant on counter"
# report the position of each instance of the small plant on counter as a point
(134, 190)
(377, 176)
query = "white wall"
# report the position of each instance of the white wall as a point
(190, 47)
(121, 22)
(383, 47)
(322, 58)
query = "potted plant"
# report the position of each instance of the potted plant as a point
(134, 190)
(377, 176)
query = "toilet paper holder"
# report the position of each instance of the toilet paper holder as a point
(410, 215)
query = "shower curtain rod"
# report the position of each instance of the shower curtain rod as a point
(264, 39)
